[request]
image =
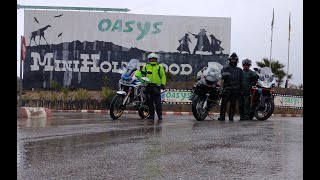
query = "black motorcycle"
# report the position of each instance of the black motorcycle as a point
(206, 93)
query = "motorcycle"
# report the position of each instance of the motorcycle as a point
(206, 93)
(262, 96)
(131, 92)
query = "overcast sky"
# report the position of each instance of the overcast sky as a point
(250, 24)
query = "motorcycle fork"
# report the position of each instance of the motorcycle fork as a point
(206, 101)
(262, 101)
(142, 97)
(127, 96)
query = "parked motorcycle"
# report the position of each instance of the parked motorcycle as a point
(131, 92)
(262, 96)
(206, 93)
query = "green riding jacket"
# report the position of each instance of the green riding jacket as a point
(248, 77)
(155, 73)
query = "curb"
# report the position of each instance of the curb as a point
(164, 112)
(34, 112)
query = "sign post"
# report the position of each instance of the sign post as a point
(22, 57)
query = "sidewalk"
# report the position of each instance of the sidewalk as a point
(163, 112)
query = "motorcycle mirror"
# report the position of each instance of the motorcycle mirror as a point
(255, 69)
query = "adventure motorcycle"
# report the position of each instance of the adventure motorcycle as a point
(131, 92)
(206, 93)
(262, 96)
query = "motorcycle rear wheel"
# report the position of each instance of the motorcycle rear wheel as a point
(264, 114)
(116, 107)
(198, 112)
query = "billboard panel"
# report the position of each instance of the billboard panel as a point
(79, 49)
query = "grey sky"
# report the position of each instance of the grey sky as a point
(250, 24)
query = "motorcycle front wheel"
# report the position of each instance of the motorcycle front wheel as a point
(116, 107)
(266, 112)
(198, 112)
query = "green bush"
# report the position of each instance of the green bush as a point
(105, 81)
(55, 85)
(53, 96)
(81, 94)
(169, 77)
(106, 91)
(65, 92)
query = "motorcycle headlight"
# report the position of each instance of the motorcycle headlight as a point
(210, 80)
(261, 77)
(271, 78)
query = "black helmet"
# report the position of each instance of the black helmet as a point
(210, 80)
(233, 56)
(246, 62)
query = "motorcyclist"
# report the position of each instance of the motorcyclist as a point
(231, 86)
(249, 78)
(155, 72)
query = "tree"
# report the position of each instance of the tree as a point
(55, 85)
(292, 86)
(289, 76)
(169, 77)
(276, 68)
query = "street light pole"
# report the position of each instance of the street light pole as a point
(20, 91)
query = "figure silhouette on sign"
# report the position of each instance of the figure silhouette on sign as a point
(184, 44)
(203, 43)
(36, 20)
(215, 45)
(58, 16)
(39, 33)
(59, 34)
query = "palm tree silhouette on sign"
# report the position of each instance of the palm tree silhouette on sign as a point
(39, 33)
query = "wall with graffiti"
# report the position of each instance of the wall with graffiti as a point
(79, 49)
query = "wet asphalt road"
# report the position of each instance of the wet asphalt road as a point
(92, 146)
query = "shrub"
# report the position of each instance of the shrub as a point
(55, 85)
(81, 94)
(169, 77)
(65, 92)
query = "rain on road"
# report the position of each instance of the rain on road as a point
(92, 146)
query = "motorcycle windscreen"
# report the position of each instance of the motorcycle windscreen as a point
(131, 67)
(265, 77)
(214, 69)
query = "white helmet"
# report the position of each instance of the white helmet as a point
(153, 55)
